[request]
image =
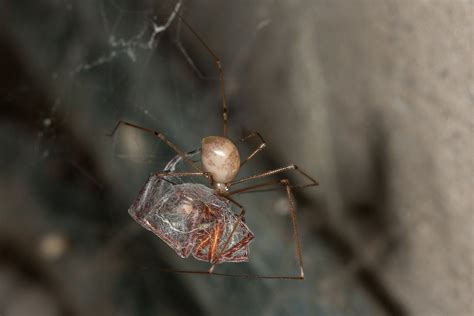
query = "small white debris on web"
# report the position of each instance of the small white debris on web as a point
(281, 206)
(47, 122)
(128, 47)
(52, 246)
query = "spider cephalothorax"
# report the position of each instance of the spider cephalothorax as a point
(220, 157)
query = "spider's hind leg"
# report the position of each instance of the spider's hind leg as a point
(292, 206)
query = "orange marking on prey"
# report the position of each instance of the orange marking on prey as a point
(215, 239)
(203, 244)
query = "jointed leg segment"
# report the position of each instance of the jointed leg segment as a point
(219, 69)
(259, 147)
(292, 206)
(161, 137)
(313, 182)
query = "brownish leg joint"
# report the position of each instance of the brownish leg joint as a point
(261, 146)
(161, 136)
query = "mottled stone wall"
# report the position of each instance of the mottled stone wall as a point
(376, 99)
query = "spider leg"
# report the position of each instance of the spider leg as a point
(259, 147)
(243, 276)
(313, 182)
(163, 175)
(253, 188)
(292, 206)
(219, 69)
(160, 136)
(296, 236)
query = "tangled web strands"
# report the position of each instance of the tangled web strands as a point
(191, 219)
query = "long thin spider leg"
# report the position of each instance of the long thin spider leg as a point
(259, 147)
(242, 210)
(313, 182)
(161, 137)
(257, 188)
(163, 175)
(183, 174)
(183, 50)
(218, 63)
(253, 187)
(296, 237)
(292, 206)
(244, 276)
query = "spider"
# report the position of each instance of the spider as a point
(196, 219)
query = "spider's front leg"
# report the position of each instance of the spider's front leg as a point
(312, 181)
(220, 70)
(262, 145)
(163, 175)
(161, 136)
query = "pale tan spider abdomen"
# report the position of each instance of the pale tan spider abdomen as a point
(220, 157)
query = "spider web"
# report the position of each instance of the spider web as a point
(146, 39)
(103, 60)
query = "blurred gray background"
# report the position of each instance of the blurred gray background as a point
(372, 98)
